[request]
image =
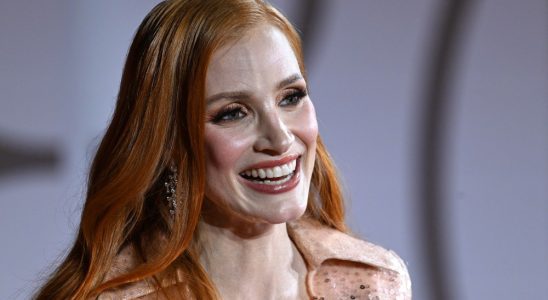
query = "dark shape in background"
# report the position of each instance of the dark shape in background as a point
(16, 157)
(431, 147)
(308, 24)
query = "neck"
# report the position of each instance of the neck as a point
(262, 265)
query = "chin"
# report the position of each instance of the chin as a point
(286, 214)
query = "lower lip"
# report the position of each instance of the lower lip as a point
(277, 189)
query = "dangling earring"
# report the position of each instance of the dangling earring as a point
(171, 185)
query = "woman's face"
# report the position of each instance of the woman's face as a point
(260, 130)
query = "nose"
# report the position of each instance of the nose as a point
(275, 137)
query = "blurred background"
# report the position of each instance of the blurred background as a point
(436, 113)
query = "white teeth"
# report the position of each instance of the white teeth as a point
(278, 171)
(285, 169)
(275, 182)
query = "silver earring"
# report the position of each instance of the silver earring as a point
(171, 185)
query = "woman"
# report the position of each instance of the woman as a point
(211, 181)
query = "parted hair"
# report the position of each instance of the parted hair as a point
(158, 122)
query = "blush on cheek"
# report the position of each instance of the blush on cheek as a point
(224, 147)
(307, 127)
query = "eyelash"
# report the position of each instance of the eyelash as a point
(228, 110)
(295, 95)
(227, 114)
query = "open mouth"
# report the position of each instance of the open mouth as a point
(275, 179)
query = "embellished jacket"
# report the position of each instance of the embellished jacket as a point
(339, 267)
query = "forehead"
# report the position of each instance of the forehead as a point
(260, 58)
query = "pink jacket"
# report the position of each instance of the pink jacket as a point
(339, 267)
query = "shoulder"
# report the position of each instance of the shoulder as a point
(123, 263)
(342, 265)
(144, 289)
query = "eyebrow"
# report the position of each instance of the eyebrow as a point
(289, 80)
(239, 95)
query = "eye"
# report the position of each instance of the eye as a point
(293, 98)
(230, 113)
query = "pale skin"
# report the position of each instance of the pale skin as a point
(258, 111)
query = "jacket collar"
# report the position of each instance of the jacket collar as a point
(318, 243)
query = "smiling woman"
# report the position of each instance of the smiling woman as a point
(211, 181)
(261, 144)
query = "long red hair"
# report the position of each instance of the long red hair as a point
(159, 121)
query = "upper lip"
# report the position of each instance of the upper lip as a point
(272, 163)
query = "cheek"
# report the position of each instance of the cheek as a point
(306, 126)
(224, 147)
